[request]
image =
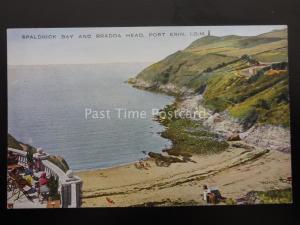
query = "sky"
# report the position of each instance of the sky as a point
(23, 49)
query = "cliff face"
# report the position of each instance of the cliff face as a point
(242, 79)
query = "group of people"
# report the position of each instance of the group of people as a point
(38, 179)
(142, 165)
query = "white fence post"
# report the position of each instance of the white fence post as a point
(70, 186)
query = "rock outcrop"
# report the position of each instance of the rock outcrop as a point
(269, 137)
(264, 136)
(168, 88)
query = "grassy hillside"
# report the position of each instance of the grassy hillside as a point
(210, 51)
(180, 67)
(220, 67)
(262, 97)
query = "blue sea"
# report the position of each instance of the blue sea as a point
(47, 106)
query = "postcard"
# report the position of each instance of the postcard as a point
(148, 116)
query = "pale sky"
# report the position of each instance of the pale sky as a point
(110, 50)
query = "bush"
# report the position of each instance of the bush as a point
(276, 196)
(230, 201)
(250, 118)
(249, 59)
(216, 104)
(279, 66)
(263, 104)
(283, 97)
(208, 70)
(53, 188)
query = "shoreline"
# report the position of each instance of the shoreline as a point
(221, 122)
(237, 170)
(110, 167)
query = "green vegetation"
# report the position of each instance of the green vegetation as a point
(230, 201)
(210, 52)
(276, 196)
(13, 143)
(181, 67)
(220, 69)
(268, 96)
(188, 136)
(60, 162)
(53, 188)
(277, 55)
(259, 98)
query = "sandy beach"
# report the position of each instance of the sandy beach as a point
(235, 172)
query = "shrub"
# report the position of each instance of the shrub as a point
(283, 97)
(250, 118)
(208, 70)
(276, 196)
(230, 201)
(53, 188)
(263, 104)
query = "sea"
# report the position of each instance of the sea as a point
(86, 113)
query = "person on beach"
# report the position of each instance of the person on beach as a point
(206, 191)
(212, 195)
(142, 164)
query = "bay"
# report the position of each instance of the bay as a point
(47, 103)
